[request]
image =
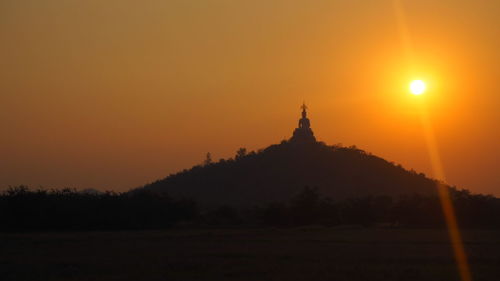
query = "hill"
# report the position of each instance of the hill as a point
(279, 172)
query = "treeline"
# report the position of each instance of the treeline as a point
(22, 209)
(311, 208)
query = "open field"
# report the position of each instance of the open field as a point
(246, 254)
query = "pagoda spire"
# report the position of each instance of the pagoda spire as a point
(304, 110)
(303, 132)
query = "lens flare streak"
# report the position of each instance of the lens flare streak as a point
(445, 199)
(437, 167)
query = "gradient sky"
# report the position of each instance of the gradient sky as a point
(114, 94)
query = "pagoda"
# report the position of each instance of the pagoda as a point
(303, 133)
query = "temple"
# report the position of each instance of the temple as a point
(303, 133)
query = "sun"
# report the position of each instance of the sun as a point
(417, 87)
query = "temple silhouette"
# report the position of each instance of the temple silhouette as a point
(303, 133)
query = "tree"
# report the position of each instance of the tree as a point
(242, 152)
(305, 206)
(208, 159)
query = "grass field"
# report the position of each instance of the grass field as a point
(246, 254)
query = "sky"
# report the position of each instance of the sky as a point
(114, 94)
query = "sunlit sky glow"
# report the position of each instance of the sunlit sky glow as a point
(114, 94)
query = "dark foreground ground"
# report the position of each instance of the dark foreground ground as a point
(251, 254)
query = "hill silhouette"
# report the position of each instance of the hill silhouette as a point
(279, 172)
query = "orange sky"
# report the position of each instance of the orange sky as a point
(115, 94)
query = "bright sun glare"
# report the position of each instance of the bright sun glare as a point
(417, 87)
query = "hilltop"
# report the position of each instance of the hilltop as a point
(280, 171)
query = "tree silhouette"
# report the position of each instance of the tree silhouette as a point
(242, 152)
(208, 159)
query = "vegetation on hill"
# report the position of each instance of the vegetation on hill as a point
(279, 172)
